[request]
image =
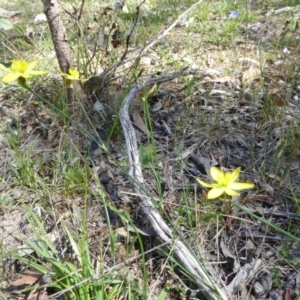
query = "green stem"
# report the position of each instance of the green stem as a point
(287, 234)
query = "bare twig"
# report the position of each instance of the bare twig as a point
(79, 33)
(153, 43)
(123, 61)
(148, 210)
(132, 28)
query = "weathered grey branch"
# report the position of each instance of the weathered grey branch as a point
(147, 208)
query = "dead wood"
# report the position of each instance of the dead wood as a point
(148, 210)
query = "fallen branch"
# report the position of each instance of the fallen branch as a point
(147, 209)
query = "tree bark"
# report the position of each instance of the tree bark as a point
(60, 42)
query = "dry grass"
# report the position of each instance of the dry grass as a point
(244, 114)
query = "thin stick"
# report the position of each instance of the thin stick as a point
(123, 61)
(132, 28)
(153, 43)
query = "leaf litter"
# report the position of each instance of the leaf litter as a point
(226, 126)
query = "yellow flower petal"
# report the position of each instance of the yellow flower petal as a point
(25, 75)
(225, 183)
(231, 192)
(3, 68)
(34, 72)
(31, 66)
(227, 178)
(216, 174)
(18, 66)
(240, 185)
(74, 73)
(208, 185)
(10, 77)
(215, 193)
(235, 174)
(20, 70)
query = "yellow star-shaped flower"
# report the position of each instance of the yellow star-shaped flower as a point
(20, 70)
(225, 183)
(72, 76)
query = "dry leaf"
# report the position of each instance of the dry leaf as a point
(28, 277)
(157, 106)
(38, 295)
(287, 295)
(278, 101)
(221, 79)
(245, 273)
(92, 26)
(274, 91)
(293, 162)
(121, 231)
(98, 106)
(40, 18)
(30, 32)
(151, 91)
(276, 98)
(274, 176)
(146, 60)
(248, 59)
(219, 92)
(145, 231)
(138, 121)
(250, 75)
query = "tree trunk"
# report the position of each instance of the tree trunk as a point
(60, 42)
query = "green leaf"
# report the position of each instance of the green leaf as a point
(5, 24)
(209, 216)
(19, 29)
(163, 294)
(293, 25)
(147, 153)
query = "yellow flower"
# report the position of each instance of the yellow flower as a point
(73, 75)
(20, 70)
(225, 183)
